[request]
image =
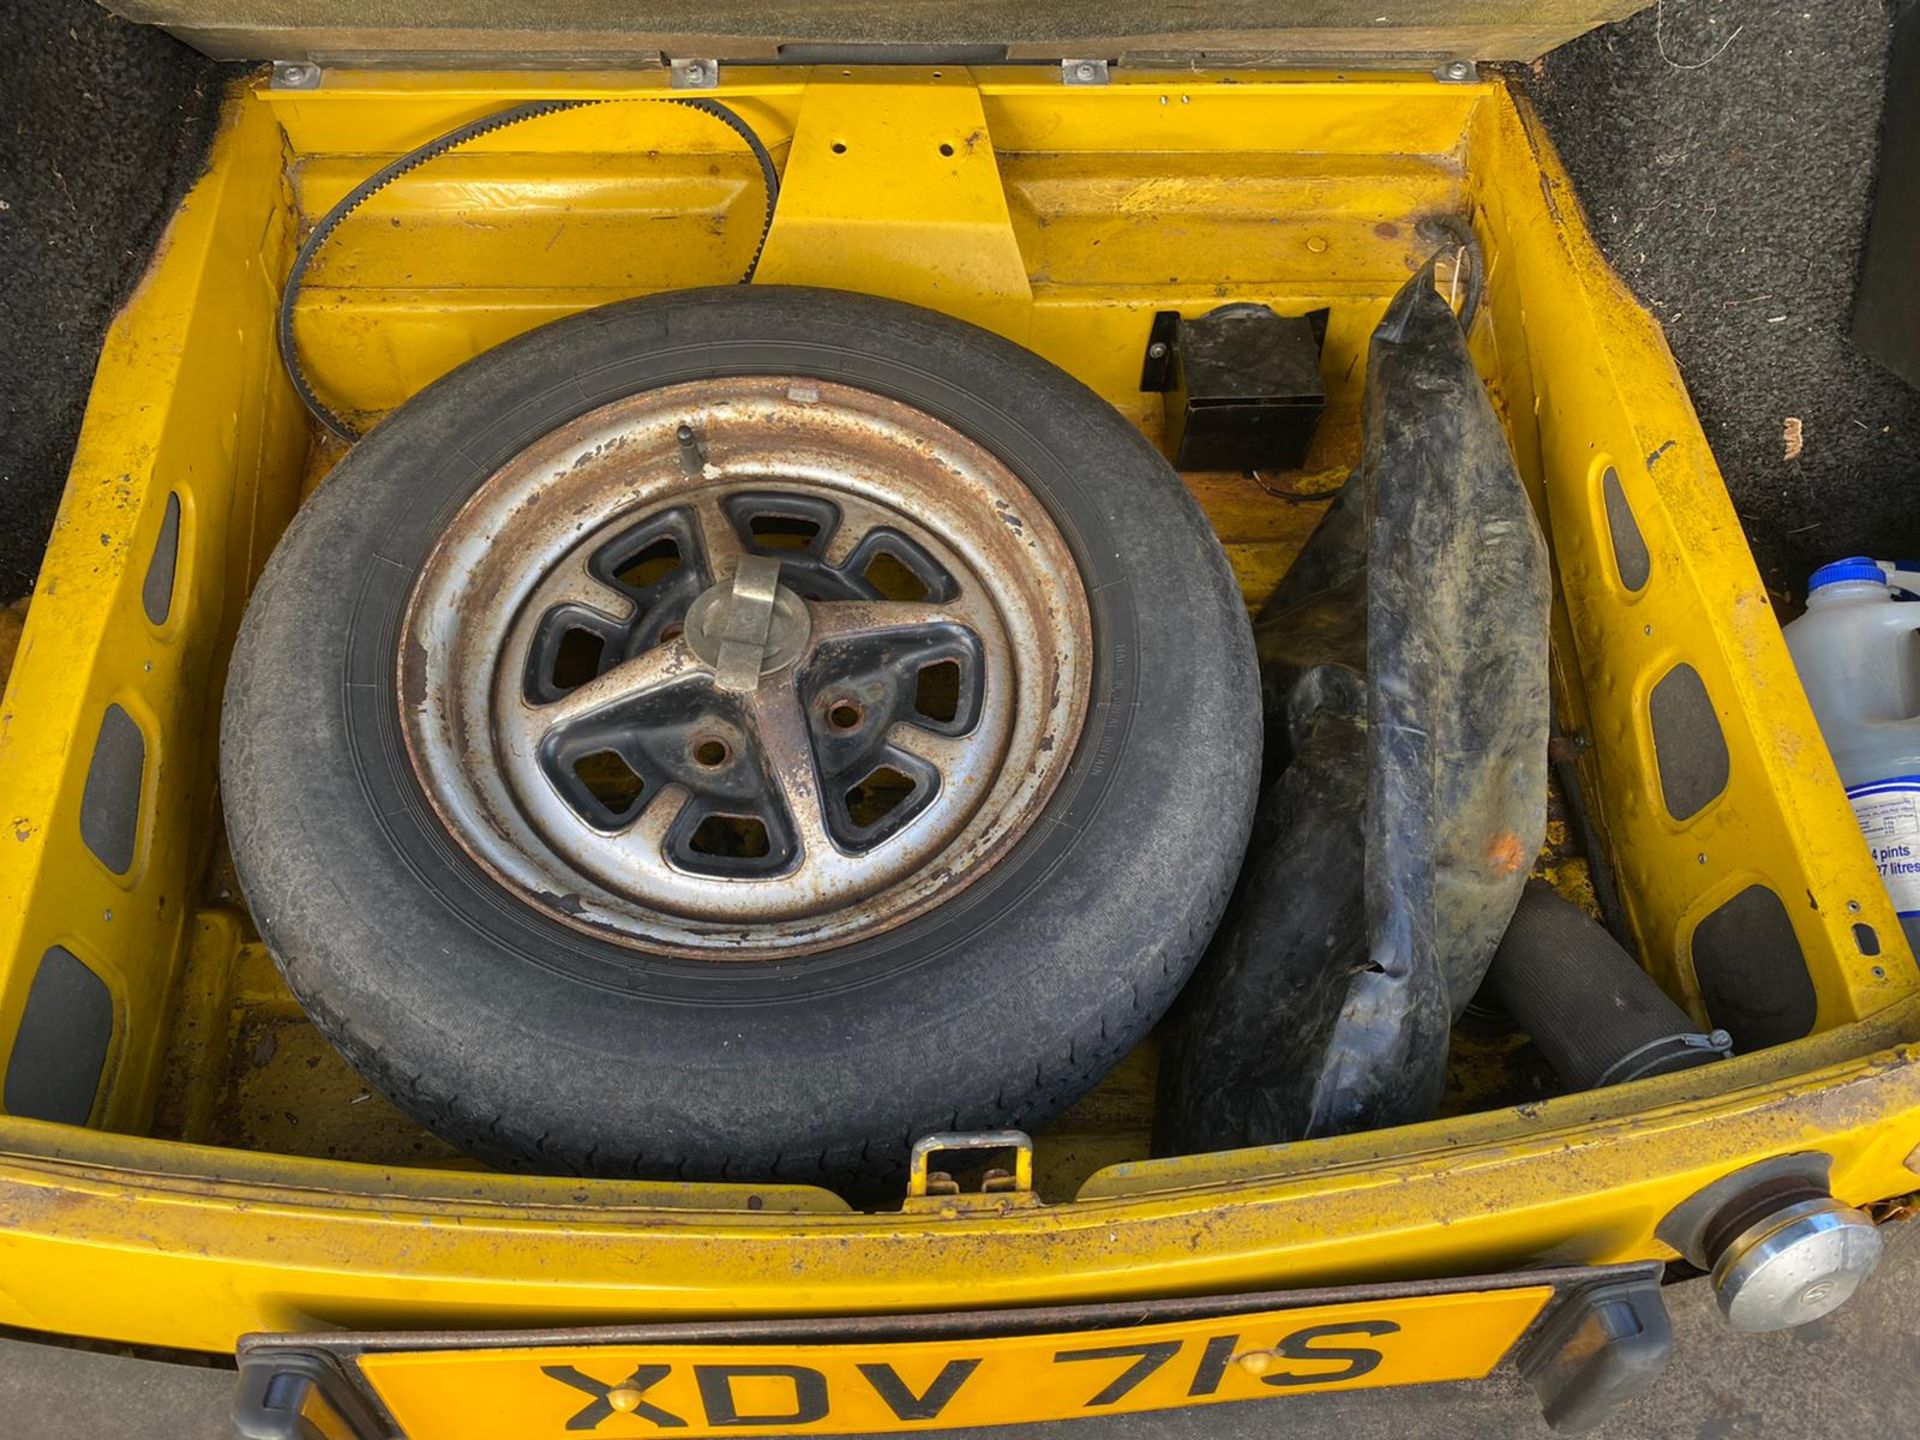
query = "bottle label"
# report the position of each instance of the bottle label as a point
(1889, 812)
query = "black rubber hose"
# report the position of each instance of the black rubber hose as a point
(1459, 238)
(1597, 1017)
(453, 140)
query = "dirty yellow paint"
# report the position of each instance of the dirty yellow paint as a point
(1606, 395)
(1081, 212)
(186, 402)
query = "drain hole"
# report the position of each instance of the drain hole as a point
(936, 694)
(877, 797)
(889, 575)
(156, 595)
(844, 715)
(1689, 747)
(610, 780)
(650, 566)
(730, 837)
(783, 532)
(576, 659)
(712, 752)
(946, 150)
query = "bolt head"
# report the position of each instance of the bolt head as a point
(295, 75)
(1795, 1265)
(1158, 350)
(1084, 70)
(1460, 69)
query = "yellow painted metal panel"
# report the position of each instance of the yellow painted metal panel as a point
(1253, 219)
(384, 112)
(1227, 112)
(187, 402)
(896, 182)
(1607, 395)
(621, 222)
(219, 1243)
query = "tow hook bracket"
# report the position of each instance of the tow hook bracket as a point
(934, 1176)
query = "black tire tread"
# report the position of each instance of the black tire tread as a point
(489, 1135)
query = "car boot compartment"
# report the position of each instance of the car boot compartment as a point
(184, 1158)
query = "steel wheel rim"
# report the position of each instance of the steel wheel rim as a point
(920, 665)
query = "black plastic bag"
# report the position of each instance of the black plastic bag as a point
(1404, 675)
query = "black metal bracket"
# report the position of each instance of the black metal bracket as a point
(1597, 1349)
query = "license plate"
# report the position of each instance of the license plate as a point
(549, 1392)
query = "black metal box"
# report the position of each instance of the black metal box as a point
(1245, 391)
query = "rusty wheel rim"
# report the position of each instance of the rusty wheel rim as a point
(745, 668)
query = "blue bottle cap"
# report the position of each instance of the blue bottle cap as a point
(1854, 567)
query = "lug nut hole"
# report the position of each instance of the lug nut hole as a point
(844, 715)
(711, 752)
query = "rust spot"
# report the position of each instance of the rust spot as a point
(1387, 230)
(1508, 855)
(413, 672)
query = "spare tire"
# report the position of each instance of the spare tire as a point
(734, 732)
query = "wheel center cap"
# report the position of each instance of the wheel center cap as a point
(749, 625)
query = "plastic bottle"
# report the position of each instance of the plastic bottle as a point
(1858, 652)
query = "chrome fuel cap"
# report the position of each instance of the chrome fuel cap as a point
(1796, 1264)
